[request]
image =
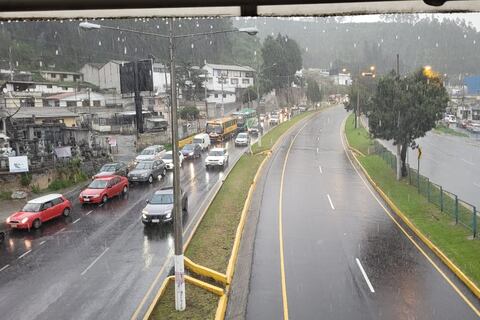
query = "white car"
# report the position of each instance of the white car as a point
(168, 159)
(155, 152)
(450, 118)
(217, 157)
(274, 120)
(242, 139)
(203, 140)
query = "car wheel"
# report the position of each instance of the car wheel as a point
(104, 198)
(125, 190)
(37, 224)
(164, 172)
(185, 206)
(2, 237)
(150, 179)
(66, 212)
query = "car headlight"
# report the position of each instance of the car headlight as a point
(168, 214)
(8, 220)
(144, 175)
(24, 220)
(144, 214)
(190, 153)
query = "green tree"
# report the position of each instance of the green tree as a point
(249, 94)
(314, 95)
(189, 113)
(281, 59)
(405, 109)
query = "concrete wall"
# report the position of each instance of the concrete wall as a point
(109, 76)
(90, 74)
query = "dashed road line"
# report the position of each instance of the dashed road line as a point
(88, 212)
(317, 150)
(320, 168)
(63, 229)
(23, 255)
(4, 267)
(468, 162)
(94, 261)
(330, 200)
(43, 242)
(76, 221)
(365, 276)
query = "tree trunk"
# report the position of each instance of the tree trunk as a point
(399, 162)
(404, 157)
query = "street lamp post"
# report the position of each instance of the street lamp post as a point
(177, 218)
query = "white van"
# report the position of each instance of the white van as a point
(203, 140)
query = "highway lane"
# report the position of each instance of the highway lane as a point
(100, 262)
(343, 257)
(450, 161)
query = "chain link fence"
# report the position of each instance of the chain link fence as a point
(460, 211)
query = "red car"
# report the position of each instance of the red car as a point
(103, 188)
(39, 210)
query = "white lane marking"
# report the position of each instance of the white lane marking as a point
(476, 184)
(468, 162)
(330, 200)
(42, 242)
(318, 138)
(365, 276)
(23, 255)
(317, 150)
(4, 267)
(101, 205)
(94, 261)
(320, 168)
(89, 212)
(76, 220)
(63, 229)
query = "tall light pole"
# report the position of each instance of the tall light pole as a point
(177, 218)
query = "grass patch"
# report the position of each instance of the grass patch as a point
(5, 195)
(439, 227)
(446, 130)
(269, 139)
(212, 243)
(201, 304)
(358, 138)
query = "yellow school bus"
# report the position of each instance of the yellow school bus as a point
(221, 129)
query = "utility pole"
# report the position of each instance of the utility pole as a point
(138, 100)
(399, 147)
(223, 107)
(206, 102)
(358, 104)
(177, 208)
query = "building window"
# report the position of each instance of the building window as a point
(222, 80)
(224, 95)
(49, 86)
(75, 78)
(249, 74)
(65, 88)
(53, 75)
(96, 103)
(71, 103)
(63, 76)
(235, 73)
(245, 81)
(216, 95)
(234, 81)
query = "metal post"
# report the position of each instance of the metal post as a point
(177, 218)
(418, 174)
(456, 209)
(357, 105)
(138, 101)
(206, 102)
(223, 107)
(441, 198)
(474, 227)
(428, 190)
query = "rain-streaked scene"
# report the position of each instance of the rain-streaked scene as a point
(240, 167)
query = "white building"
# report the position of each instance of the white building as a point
(61, 76)
(342, 79)
(226, 80)
(76, 99)
(161, 78)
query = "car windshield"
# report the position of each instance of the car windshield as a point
(217, 128)
(98, 184)
(189, 147)
(32, 207)
(162, 198)
(197, 140)
(167, 156)
(108, 168)
(144, 165)
(147, 152)
(242, 135)
(216, 153)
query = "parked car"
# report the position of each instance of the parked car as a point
(151, 153)
(147, 171)
(474, 127)
(242, 139)
(450, 119)
(116, 168)
(159, 207)
(168, 159)
(39, 210)
(203, 140)
(274, 120)
(191, 151)
(218, 157)
(262, 117)
(103, 188)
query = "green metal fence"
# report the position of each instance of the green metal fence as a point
(460, 211)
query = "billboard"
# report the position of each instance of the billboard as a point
(18, 164)
(144, 77)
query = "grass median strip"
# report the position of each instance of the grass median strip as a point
(212, 243)
(439, 227)
(446, 130)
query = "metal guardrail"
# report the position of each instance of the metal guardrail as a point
(460, 211)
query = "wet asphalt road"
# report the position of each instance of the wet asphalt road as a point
(100, 262)
(450, 161)
(333, 228)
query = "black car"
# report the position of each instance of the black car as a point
(191, 151)
(159, 207)
(112, 169)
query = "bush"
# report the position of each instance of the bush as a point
(25, 179)
(36, 189)
(58, 184)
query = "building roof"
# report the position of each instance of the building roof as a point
(61, 96)
(44, 112)
(229, 67)
(96, 64)
(62, 72)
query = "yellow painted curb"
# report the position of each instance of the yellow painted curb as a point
(456, 270)
(204, 285)
(158, 296)
(204, 271)
(356, 150)
(222, 307)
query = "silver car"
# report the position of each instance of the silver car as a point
(147, 171)
(159, 207)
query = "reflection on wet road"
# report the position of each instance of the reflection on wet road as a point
(99, 262)
(343, 257)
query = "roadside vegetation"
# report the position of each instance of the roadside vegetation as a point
(454, 240)
(446, 130)
(212, 243)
